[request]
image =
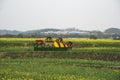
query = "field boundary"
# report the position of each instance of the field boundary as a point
(62, 54)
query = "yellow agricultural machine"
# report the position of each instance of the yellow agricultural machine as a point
(49, 45)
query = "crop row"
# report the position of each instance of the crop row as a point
(77, 42)
(80, 50)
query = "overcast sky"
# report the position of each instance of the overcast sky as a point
(38, 14)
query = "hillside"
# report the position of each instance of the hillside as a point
(14, 32)
(112, 30)
(47, 30)
(70, 32)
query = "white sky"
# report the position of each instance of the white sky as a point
(38, 14)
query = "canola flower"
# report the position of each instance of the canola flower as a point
(65, 39)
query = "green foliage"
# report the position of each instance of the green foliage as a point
(58, 69)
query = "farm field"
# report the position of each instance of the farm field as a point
(26, 44)
(89, 59)
(57, 69)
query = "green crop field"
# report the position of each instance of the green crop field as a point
(57, 69)
(89, 59)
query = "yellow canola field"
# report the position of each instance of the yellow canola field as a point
(64, 39)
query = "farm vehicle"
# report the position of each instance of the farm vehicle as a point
(52, 45)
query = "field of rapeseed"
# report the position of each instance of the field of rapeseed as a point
(89, 59)
(57, 69)
(7, 44)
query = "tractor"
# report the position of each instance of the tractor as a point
(52, 45)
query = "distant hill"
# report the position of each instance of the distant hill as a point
(41, 30)
(113, 33)
(14, 32)
(58, 31)
(112, 30)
